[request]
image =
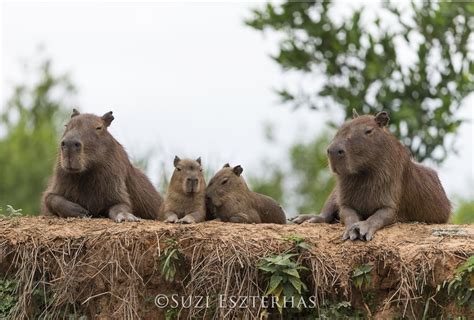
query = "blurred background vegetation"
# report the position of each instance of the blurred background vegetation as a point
(357, 57)
(360, 59)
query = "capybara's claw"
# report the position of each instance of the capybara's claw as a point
(133, 218)
(119, 218)
(186, 220)
(346, 234)
(79, 211)
(172, 219)
(361, 230)
(369, 236)
(316, 219)
(125, 216)
(300, 219)
(353, 235)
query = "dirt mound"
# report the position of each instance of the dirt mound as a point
(102, 269)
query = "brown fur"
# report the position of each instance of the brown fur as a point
(93, 176)
(230, 200)
(377, 182)
(185, 200)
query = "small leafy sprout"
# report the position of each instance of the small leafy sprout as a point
(298, 242)
(361, 275)
(171, 314)
(338, 310)
(462, 285)
(169, 260)
(11, 212)
(284, 278)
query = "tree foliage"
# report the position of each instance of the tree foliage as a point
(465, 212)
(30, 126)
(307, 181)
(364, 59)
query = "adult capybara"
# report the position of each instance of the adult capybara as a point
(230, 200)
(377, 182)
(93, 176)
(185, 200)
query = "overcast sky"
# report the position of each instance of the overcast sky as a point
(182, 78)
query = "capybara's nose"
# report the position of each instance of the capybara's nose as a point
(336, 151)
(193, 181)
(71, 144)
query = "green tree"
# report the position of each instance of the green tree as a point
(465, 212)
(30, 127)
(307, 180)
(271, 183)
(363, 61)
(313, 180)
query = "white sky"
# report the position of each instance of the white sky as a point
(182, 78)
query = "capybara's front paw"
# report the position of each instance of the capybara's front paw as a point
(172, 219)
(360, 230)
(187, 219)
(307, 219)
(78, 211)
(125, 216)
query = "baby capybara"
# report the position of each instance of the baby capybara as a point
(93, 176)
(377, 182)
(230, 200)
(185, 200)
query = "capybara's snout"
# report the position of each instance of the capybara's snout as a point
(337, 155)
(192, 184)
(336, 151)
(71, 144)
(71, 154)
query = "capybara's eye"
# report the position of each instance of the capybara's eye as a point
(98, 128)
(224, 181)
(368, 131)
(179, 169)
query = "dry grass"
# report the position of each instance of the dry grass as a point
(98, 268)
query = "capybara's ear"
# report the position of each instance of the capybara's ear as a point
(382, 118)
(354, 113)
(75, 113)
(176, 161)
(226, 165)
(108, 118)
(238, 170)
(199, 160)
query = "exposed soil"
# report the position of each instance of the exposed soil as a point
(101, 269)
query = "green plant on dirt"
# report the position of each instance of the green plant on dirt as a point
(171, 314)
(361, 276)
(339, 310)
(461, 287)
(10, 212)
(298, 242)
(8, 297)
(284, 277)
(170, 260)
